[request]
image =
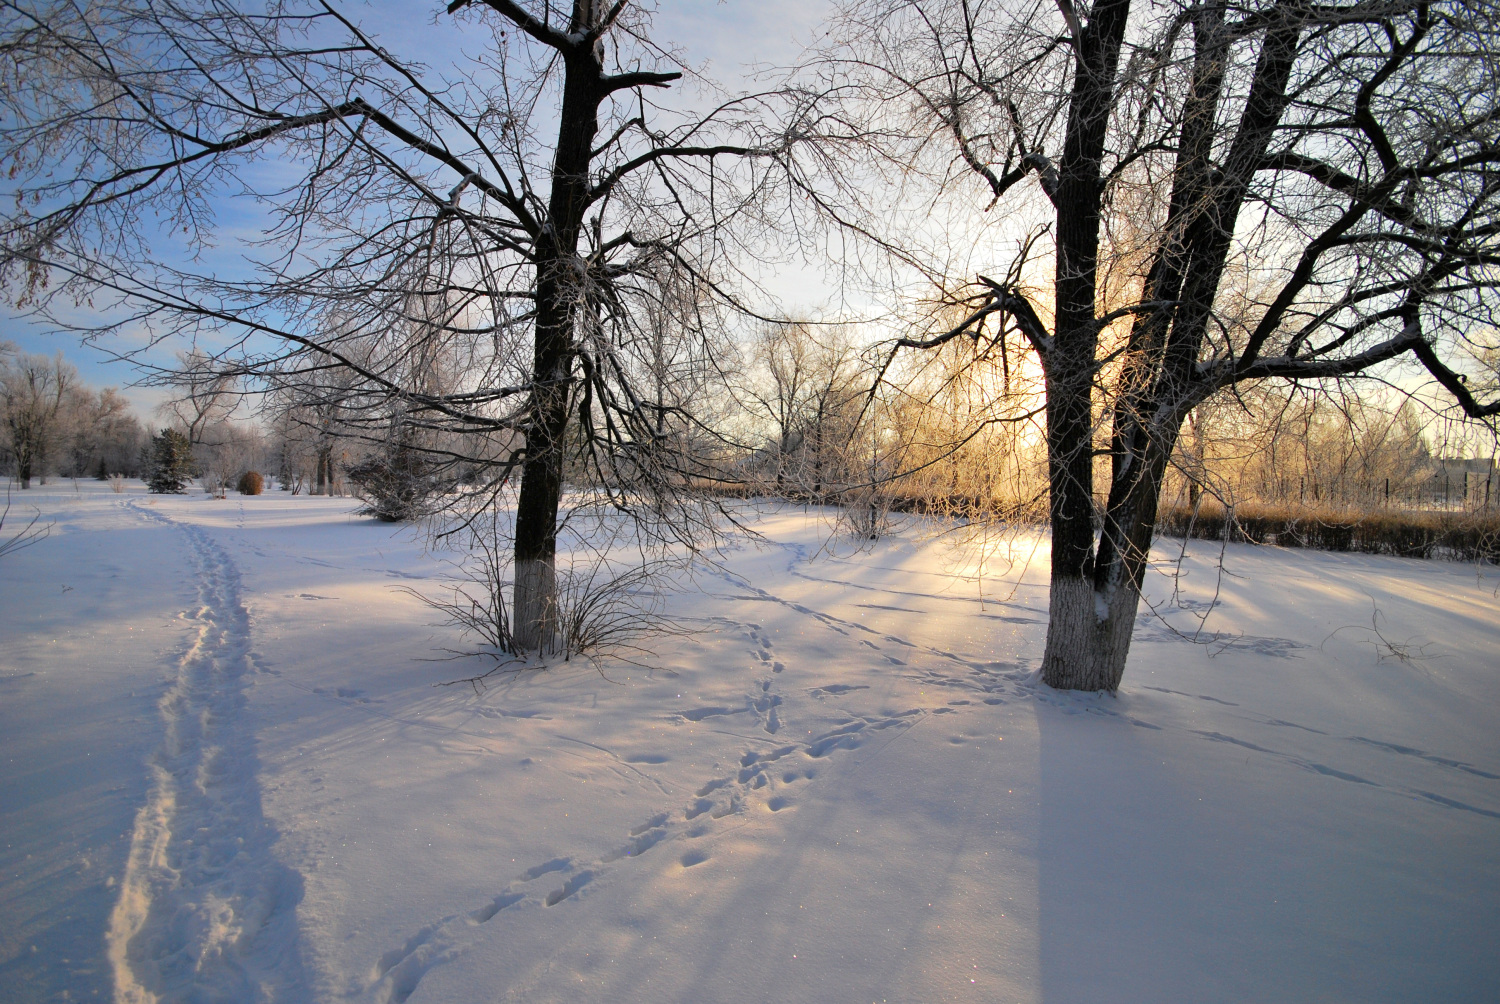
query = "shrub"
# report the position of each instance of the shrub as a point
(394, 488)
(251, 483)
(605, 608)
(864, 514)
(1462, 536)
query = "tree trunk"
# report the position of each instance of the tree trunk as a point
(1091, 618)
(1088, 634)
(1084, 650)
(535, 626)
(558, 293)
(21, 446)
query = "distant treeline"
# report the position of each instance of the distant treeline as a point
(52, 424)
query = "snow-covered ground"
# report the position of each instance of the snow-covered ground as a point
(229, 776)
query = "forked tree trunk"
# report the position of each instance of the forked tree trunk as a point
(1088, 634)
(1091, 616)
(1091, 619)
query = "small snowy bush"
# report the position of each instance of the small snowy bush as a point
(395, 488)
(251, 483)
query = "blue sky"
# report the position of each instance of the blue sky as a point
(727, 38)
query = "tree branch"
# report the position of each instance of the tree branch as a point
(539, 30)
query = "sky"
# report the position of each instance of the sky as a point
(728, 40)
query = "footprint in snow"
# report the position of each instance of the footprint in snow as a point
(569, 887)
(836, 689)
(659, 819)
(698, 714)
(399, 971)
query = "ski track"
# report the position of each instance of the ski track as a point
(205, 912)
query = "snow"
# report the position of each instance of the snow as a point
(231, 775)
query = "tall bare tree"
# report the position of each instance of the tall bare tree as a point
(533, 191)
(33, 390)
(804, 390)
(203, 394)
(103, 436)
(1202, 194)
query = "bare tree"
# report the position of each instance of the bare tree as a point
(777, 392)
(518, 210)
(204, 395)
(307, 413)
(33, 389)
(838, 379)
(1202, 195)
(52, 422)
(804, 389)
(103, 436)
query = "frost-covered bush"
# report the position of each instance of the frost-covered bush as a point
(395, 488)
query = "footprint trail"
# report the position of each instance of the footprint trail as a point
(205, 911)
(766, 779)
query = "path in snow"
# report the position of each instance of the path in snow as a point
(205, 911)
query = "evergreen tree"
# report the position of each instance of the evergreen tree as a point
(170, 466)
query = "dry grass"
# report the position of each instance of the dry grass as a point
(1460, 536)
